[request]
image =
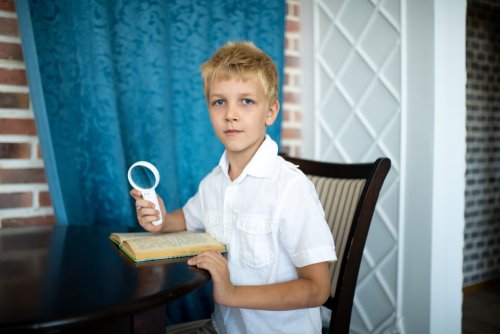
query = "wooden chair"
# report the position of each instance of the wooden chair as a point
(348, 193)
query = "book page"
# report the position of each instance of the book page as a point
(121, 237)
(174, 241)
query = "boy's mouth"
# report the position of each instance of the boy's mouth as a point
(232, 132)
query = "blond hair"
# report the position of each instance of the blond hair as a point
(245, 60)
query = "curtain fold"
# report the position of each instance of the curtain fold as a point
(121, 83)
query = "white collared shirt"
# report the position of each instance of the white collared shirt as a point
(272, 222)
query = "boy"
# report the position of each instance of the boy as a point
(263, 208)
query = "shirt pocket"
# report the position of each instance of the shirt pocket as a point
(255, 240)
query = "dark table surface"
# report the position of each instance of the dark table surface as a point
(56, 277)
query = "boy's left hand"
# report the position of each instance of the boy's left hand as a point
(216, 264)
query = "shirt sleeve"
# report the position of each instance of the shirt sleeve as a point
(303, 230)
(193, 213)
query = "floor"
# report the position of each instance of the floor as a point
(481, 311)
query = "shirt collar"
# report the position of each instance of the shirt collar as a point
(261, 164)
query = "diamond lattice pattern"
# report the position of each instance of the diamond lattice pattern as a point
(357, 100)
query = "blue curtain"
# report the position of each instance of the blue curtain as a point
(121, 83)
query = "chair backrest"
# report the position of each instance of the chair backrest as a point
(348, 193)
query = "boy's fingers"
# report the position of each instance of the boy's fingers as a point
(135, 193)
(148, 226)
(201, 263)
(210, 256)
(145, 212)
(194, 260)
(142, 203)
(149, 219)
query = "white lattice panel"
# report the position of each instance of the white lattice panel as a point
(357, 102)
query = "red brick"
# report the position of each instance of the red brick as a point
(49, 220)
(38, 151)
(286, 115)
(44, 199)
(292, 61)
(292, 26)
(296, 10)
(22, 175)
(13, 76)
(291, 97)
(289, 43)
(8, 27)
(16, 200)
(15, 150)
(14, 100)
(7, 5)
(14, 126)
(10, 51)
(288, 133)
(297, 116)
(291, 115)
(292, 9)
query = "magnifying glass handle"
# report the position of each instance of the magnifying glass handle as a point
(150, 195)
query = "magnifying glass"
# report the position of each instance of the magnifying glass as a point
(144, 177)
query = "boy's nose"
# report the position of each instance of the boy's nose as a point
(231, 114)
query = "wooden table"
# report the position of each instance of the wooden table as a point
(73, 279)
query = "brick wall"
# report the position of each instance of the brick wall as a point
(291, 109)
(482, 192)
(24, 196)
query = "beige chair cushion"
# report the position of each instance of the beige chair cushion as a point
(339, 198)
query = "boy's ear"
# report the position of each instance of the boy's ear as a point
(272, 113)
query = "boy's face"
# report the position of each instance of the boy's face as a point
(240, 112)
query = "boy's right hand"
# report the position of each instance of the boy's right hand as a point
(146, 213)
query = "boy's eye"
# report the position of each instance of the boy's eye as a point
(247, 101)
(218, 102)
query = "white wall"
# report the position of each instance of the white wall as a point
(388, 78)
(436, 78)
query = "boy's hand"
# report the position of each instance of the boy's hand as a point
(146, 213)
(216, 264)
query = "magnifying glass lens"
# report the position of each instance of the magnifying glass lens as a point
(143, 177)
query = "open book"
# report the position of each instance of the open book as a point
(146, 246)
